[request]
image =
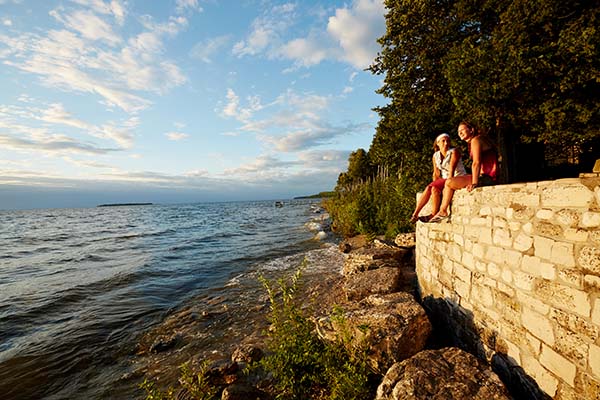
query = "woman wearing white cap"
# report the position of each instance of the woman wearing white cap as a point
(447, 163)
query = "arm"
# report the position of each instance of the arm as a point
(453, 161)
(476, 165)
(436, 172)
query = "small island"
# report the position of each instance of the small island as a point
(123, 204)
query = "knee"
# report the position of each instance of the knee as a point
(436, 191)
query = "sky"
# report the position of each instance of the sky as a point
(169, 101)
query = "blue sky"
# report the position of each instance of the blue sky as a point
(182, 100)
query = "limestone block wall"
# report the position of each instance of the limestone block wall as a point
(517, 274)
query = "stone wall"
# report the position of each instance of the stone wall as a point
(515, 276)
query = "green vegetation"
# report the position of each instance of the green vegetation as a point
(525, 72)
(302, 365)
(298, 364)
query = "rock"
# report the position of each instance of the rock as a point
(222, 372)
(448, 373)
(247, 354)
(353, 243)
(383, 280)
(405, 239)
(240, 391)
(372, 257)
(164, 342)
(394, 326)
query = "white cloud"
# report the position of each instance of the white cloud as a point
(233, 110)
(89, 25)
(205, 50)
(357, 29)
(114, 7)
(183, 5)
(6, 22)
(176, 136)
(350, 36)
(89, 57)
(348, 89)
(266, 32)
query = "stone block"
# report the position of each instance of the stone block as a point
(482, 295)
(494, 270)
(520, 212)
(539, 325)
(558, 365)
(570, 345)
(596, 313)
(564, 298)
(548, 229)
(478, 250)
(568, 217)
(563, 254)
(462, 273)
(479, 221)
(507, 275)
(523, 242)
(528, 228)
(568, 194)
(506, 289)
(589, 259)
(513, 258)
(514, 226)
(459, 239)
(524, 281)
(571, 277)
(495, 255)
(545, 214)
(576, 324)
(590, 220)
(502, 237)
(535, 345)
(542, 247)
(461, 288)
(576, 235)
(594, 360)
(485, 211)
(547, 382)
(536, 267)
(591, 282)
(533, 303)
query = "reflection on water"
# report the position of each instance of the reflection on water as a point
(78, 287)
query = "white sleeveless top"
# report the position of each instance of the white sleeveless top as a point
(443, 164)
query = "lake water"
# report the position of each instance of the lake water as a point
(79, 287)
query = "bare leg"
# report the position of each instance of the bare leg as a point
(436, 199)
(452, 184)
(421, 203)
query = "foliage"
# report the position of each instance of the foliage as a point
(376, 205)
(302, 365)
(526, 72)
(196, 385)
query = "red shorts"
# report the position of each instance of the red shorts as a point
(438, 184)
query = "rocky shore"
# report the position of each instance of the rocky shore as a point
(376, 289)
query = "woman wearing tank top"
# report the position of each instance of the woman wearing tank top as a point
(484, 168)
(446, 163)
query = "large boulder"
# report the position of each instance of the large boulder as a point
(449, 373)
(392, 326)
(375, 256)
(383, 280)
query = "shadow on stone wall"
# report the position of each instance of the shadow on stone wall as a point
(453, 325)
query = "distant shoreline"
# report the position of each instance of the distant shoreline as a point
(123, 204)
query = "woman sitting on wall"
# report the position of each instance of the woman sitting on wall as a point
(483, 169)
(446, 163)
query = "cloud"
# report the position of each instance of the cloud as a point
(266, 32)
(205, 50)
(114, 7)
(262, 166)
(21, 131)
(88, 25)
(232, 108)
(6, 22)
(87, 56)
(184, 5)
(176, 136)
(319, 134)
(357, 29)
(350, 36)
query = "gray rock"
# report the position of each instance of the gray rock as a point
(383, 280)
(373, 257)
(239, 391)
(449, 374)
(247, 353)
(393, 326)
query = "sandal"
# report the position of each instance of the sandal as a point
(414, 219)
(425, 218)
(440, 218)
